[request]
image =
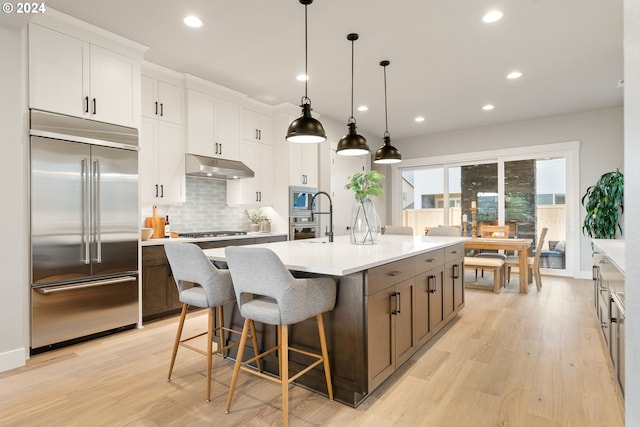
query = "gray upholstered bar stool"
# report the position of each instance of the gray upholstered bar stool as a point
(212, 287)
(267, 292)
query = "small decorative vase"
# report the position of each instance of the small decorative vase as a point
(254, 228)
(265, 226)
(365, 224)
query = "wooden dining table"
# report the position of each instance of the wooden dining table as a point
(521, 245)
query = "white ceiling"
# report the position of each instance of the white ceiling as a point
(445, 62)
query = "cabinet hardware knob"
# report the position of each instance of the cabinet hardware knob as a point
(94, 106)
(86, 104)
(156, 108)
(161, 190)
(156, 190)
(161, 109)
(394, 273)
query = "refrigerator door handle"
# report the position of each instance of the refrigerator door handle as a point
(96, 210)
(86, 210)
(62, 288)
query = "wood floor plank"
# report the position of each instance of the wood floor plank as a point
(511, 359)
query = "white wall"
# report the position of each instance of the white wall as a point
(632, 207)
(13, 253)
(601, 147)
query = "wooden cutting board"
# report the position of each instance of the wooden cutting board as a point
(156, 222)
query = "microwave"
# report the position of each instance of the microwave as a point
(300, 201)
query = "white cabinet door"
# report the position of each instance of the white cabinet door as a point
(115, 79)
(257, 127)
(266, 171)
(171, 175)
(213, 126)
(228, 130)
(70, 76)
(303, 164)
(148, 160)
(162, 177)
(162, 100)
(57, 64)
(257, 191)
(201, 117)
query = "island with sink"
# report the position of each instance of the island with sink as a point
(393, 297)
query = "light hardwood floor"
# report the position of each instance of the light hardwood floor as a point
(508, 360)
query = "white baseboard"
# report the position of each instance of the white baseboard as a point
(12, 359)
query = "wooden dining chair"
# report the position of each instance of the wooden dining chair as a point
(533, 262)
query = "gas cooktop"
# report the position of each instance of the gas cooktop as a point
(198, 234)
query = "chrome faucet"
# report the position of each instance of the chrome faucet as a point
(330, 213)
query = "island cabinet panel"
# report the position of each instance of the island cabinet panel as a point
(453, 281)
(390, 318)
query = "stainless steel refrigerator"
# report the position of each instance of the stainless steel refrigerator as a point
(84, 228)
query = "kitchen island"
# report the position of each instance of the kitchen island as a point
(392, 298)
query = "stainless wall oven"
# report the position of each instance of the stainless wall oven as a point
(84, 228)
(300, 201)
(301, 223)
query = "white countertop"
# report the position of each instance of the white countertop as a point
(154, 242)
(612, 249)
(341, 257)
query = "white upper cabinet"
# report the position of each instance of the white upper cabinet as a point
(162, 177)
(70, 76)
(256, 191)
(303, 164)
(213, 126)
(257, 127)
(163, 100)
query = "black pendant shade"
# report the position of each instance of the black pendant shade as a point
(386, 154)
(352, 144)
(305, 129)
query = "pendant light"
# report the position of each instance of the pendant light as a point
(305, 129)
(386, 154)
(352, 144)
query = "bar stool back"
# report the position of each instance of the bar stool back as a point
(212, 287)
(267, 292)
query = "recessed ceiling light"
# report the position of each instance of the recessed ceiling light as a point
(193, 21)
(419, 119)
(492, 16)
(363, 108)
(514, 75)
(302, 77)
(488, 107)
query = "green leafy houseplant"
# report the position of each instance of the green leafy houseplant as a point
(365, 185)
(604, 202)
(256, 216)
(364, 222)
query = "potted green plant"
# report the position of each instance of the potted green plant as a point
(365, 223)
(257, 218)
(604, 202)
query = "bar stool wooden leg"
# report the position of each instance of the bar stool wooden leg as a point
(209, 350)
(325, 355)
(284, 372)
(221, 322)
(183, 315)
(254, 339)
(236, 368)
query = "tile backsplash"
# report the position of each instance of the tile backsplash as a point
(205, 208)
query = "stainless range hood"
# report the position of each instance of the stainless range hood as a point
(211, 167)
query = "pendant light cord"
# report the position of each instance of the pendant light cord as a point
(386, 121)
(306, 49)
(352, 118)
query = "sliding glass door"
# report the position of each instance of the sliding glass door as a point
(526, 194)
